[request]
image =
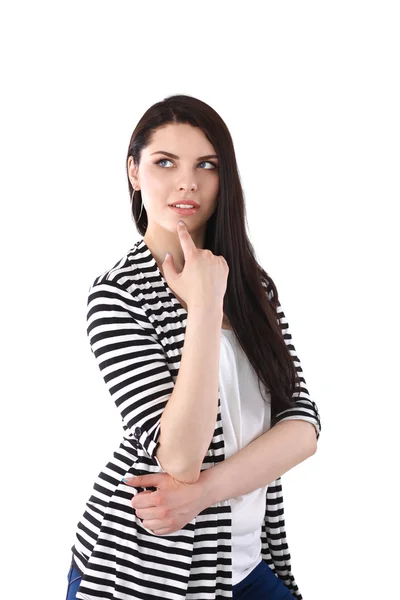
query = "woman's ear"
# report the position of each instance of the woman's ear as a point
(132, 171)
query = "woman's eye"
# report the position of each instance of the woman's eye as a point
(214, 166)
(162, 160)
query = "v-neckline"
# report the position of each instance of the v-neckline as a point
(141, 244)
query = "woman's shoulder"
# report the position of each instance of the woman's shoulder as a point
(125, 273)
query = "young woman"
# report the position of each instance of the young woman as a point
(190, 337)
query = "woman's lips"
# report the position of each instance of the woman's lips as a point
(184, 211)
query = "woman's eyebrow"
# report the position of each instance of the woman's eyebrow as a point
(175, 156)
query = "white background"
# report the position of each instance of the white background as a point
(310, 93)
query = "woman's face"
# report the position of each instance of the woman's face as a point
(164, 180)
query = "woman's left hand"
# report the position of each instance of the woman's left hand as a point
(171, 506)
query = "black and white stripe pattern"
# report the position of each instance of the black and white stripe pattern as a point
(136, 328)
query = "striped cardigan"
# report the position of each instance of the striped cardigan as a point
(136, 328)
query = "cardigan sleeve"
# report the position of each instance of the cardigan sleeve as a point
(131, 360)
(306, 409)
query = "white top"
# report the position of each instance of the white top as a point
(245, 416)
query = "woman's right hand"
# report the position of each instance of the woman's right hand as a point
(204, 277)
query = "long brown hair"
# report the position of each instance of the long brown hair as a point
(252, 314)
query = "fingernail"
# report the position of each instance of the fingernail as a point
(181, 222)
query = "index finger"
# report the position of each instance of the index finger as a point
(185, 239)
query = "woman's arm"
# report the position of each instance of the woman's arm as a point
(262, 461)
(188, 420)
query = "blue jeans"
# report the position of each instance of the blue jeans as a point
(260, 584)
(74, 580)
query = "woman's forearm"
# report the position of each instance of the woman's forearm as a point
(262, 461)
(188, 420)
